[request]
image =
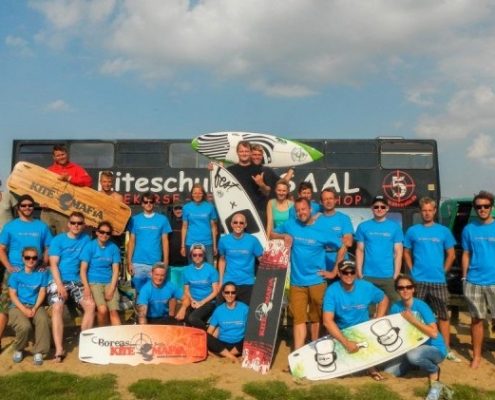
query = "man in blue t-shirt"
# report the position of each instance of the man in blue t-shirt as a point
(429, 254)
(379, 248)
(347, 303)
(148, 241)
(478, 269)
(153, 301)
(238, 253)
(307, 239)
(339, 226)
(24, 231)
(65, 280)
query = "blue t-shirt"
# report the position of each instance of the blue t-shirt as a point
(240, 255)
(28, 285)
(351, 308)
(148, 231)
(479, 240)
(157, 298)
(69, 252)
(428, 245)
(200, 280)
(231, 322)
(17, 234)
(307, 251)
(100, 261)
(424, 310)
(315, 209)
(199, 218)
(379, 239)
(335, 226)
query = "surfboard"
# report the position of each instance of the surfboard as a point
(230, 199)
(380, 340)
(142, 344)
(279, 152)
(265, 308)
(46, 188)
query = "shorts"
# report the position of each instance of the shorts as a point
(98, 292)
(478, 297)
(305, 302)
(436, 295)
(74, 289)
(4, 293)
(387, 285)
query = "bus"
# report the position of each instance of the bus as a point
(403, 170)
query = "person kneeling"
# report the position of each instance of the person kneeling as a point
(228, 325)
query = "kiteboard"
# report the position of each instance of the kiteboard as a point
(278, 152)
(142, 344)
(46, 188)
(230, 199)
(379, 340)
(266, 307)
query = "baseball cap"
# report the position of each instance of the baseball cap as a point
(346, 264)
(379, 198)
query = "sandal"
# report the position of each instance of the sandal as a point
(59, 358)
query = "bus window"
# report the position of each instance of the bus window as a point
(351, 154)
(39, 154)
(182, 155)
(92, 155)
(149, 154)
(406, 155)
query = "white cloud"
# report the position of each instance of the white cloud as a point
(302, 45)
(58, 106)
(482, 150)
(19, 44)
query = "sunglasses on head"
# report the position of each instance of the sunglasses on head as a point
(404, 287)
(78, 223)
(26, 205)
(482, 206)
(30, 258)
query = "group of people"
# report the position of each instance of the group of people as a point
(326, 287)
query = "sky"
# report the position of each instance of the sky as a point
(109, 69)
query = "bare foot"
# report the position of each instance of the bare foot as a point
(475, 363)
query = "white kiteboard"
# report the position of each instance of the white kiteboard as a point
(230, 199)
(278, 152)
(380, 340)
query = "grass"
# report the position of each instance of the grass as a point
(463, 392)
(52, 385)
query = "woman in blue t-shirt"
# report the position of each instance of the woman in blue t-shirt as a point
(100, 261)
(228, 325)
(428, 355)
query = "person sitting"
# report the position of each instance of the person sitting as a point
(100, 260)
(153, 300)
(27, 291)
(225, 334)
(200, 288)
(428, 355)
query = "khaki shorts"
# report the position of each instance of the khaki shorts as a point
(305, 303)
(98, 292)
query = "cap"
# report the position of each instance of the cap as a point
(346, 264)
(380, 198)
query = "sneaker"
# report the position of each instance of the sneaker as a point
(38, 359)
(17, 356)
(435, 391)
(451, 356)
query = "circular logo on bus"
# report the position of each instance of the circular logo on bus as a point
(398, 187)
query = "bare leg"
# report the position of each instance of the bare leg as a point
(315, 331)
(477, 339)
(444, 327)
(102, 315)
(229, 355)
(114, 317)
(4, 318)
(299, 331)
(89, 314)
(58, 327)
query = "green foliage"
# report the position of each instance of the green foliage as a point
(53, 385)
(375, 391)
(153, 389)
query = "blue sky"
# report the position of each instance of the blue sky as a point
(295, 68)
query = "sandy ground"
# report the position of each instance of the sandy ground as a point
(231, 377)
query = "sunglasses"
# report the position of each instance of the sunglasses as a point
(379, 207)
(26, 205)
(229, 292)
(178, 208)
(108, 233)
(482, 206)
(31, 258)
(197, 255)
(352, 272)
(408, 287)
(147, 202)
(78, 223)
(238, 222)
